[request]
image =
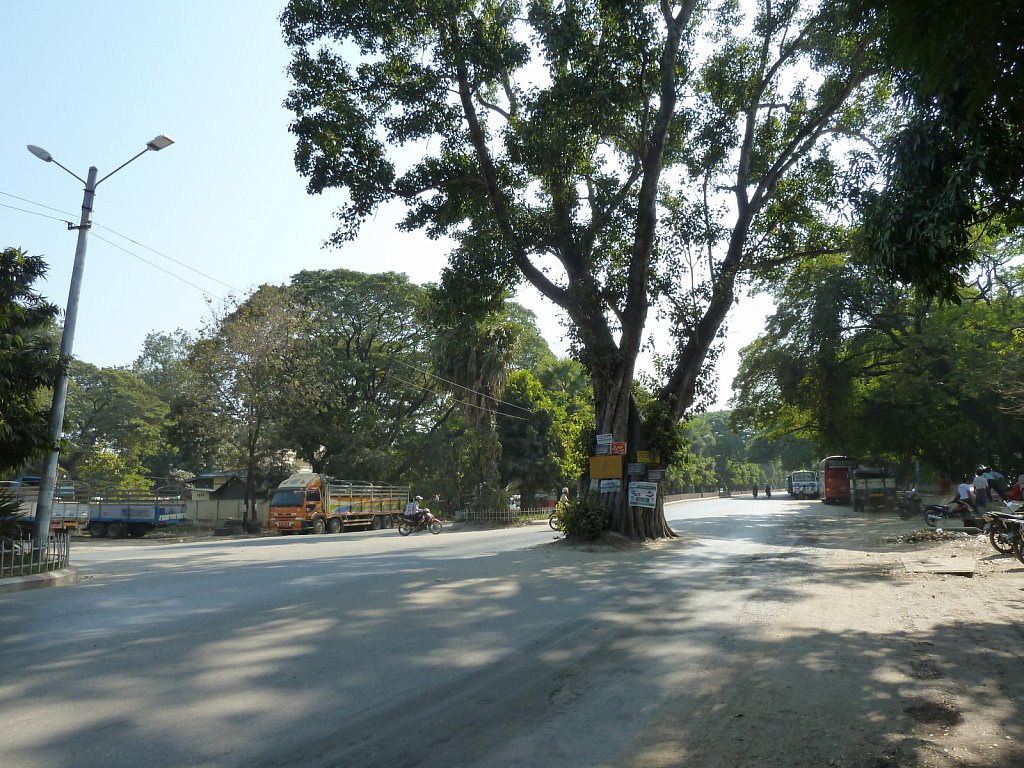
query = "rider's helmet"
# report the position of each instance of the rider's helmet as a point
(418, 498)
(565, 490)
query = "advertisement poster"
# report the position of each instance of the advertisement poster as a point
(619, 449)
(605, 467)
(643, 494)
(611, 486)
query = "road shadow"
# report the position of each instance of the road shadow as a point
(555, 655)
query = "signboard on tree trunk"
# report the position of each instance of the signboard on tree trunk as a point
(605, 467)
(643, 494)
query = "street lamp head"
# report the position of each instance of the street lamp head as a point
(160, 142)
(41, 153)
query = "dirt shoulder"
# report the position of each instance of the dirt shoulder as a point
(929, 675)
(859, 655)
(956, 664)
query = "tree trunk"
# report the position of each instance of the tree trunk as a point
(622, 419)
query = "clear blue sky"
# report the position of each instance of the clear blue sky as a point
(93, 82)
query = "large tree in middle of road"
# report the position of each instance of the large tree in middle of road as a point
(621, 156)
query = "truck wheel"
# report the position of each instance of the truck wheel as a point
(319, 526)
(97, 530)
(334, 525)
(115, 530)
(377, 523)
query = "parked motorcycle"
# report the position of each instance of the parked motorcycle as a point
(908, 504)
(426, 522)
(1005, 529)
(935, 515)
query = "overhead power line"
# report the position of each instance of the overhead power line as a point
(464, 402)
(169, 258)
(125, 237)
(496, 400)
(33, 213)
(157, 266)
(38, 205)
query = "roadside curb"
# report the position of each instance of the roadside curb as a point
(59, 578)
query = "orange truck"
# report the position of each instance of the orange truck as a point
(308, 502)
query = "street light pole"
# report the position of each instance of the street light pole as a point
(48, 481)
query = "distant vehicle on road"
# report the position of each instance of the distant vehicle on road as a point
(803, 484)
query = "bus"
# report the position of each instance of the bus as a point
(803, 484)
(834, 479)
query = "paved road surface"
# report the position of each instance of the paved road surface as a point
(472, 648)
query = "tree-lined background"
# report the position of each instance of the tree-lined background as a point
(641, 165)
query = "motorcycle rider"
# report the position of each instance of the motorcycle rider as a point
(413, 512)
(963, 495)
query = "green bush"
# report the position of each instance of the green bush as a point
(584, 518)
(10, 514)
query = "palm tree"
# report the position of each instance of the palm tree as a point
(474, 357)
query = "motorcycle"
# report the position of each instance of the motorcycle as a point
(908, 504)
(1005, 530)
(935, 514)
(426, 522)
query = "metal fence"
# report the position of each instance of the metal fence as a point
(502, 517)
(19, 557)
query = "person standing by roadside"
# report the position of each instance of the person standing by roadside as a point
(996, 483)
(980, 484)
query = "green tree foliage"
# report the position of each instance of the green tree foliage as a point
(28, 358)
(241, 373)
(474, 355)
(953, 164)
(594, 151)
(115, 424)
(162, 365)
(570, 397)
(364, 392)
(539, 425)
(885, 373)
(721, 451)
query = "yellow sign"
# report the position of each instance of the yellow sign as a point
(645, 457)
(605, 467)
